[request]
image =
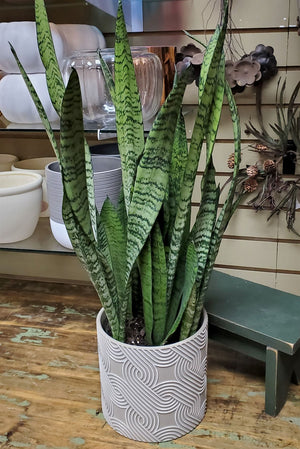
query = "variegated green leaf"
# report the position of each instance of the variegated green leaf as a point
(38, 104)
(72, 157)
(188, 316)
(207, 85)
(159, 285)
(55, 82)
(127, 103)
(189, 281)
(108, 77)
(178, 164)
(116, 242)
(145, 269)
(151, 184)
(97, 267)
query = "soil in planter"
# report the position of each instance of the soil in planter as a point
(135, 331)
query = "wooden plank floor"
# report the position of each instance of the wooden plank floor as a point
(50, 391)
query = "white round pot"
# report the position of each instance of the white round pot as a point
(6, 161)
(22, 35)
(16, 103)
(36, 165)
(107, 183)
(153, 393)
(20, 205)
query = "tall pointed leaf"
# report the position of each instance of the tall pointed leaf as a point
(55, 82)
(207, 87)
(38, 104)
(129, 119)
(151, 182)
(145, 269)
(159, 286)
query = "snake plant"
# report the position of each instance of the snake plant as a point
(144, 257)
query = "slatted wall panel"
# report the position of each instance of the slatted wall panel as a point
(253, 248)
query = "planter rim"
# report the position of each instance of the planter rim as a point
(37, 163)
(32, 181)
(102, 315)
(50, 167)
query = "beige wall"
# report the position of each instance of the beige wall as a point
(253, 248)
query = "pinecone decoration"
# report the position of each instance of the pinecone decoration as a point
(250, 185)
(230, 161)
(269, 166)
(260, 147)
(252, 171)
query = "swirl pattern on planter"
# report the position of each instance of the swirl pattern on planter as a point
(153, 394)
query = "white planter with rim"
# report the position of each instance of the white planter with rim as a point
(107, 183)
(20, 205)
(36, 165)
(153, 393)
(6, 161)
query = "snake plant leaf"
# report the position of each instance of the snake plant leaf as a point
(76, 206)
(159, 286)
(206, 217)
(72, 155)
(54, 78)
(99, 271)
(178, 164)
(151, 183)
(116, 243)
(108, 77)
(188, 316)
(129, 120)
(189, 282)
(207, 86)
(38, 104)
(145, 270)
(229, 205)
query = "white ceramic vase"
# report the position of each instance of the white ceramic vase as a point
(36, 165)
(153, 393)
(20, 205)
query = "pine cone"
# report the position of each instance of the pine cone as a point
(252, 171)
(261, 147)
(250, 185)
(269, 166)
(230, 161)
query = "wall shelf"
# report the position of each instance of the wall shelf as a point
(42, 241)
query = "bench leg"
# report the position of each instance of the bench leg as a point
(279, 368)
(296, 369)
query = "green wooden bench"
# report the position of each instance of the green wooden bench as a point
(261, 322)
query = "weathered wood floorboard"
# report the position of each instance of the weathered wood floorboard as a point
(50, 390)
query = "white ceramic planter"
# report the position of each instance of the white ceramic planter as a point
(36, 165)
(107, 183)
(6, 161)
(16, 103)
(153, 393)
(20, 205)
(22, 35)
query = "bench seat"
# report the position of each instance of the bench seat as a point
(261, 322)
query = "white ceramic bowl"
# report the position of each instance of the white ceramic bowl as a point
(37, 165)
(20, 205)
(6, 161)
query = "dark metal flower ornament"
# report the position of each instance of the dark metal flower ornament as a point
(264, 55)
(190, 55)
